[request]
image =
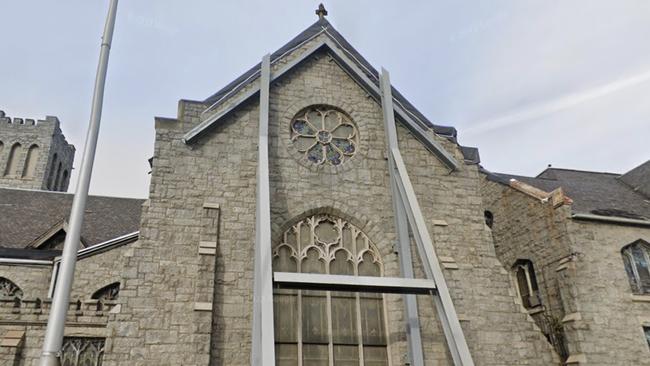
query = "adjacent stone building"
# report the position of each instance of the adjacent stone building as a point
(577, 244)
(173, 284)
(34, 154)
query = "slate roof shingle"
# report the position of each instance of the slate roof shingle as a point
(27, 214)
(591, 192)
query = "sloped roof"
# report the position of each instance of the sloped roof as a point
(361, 66)
(27, 214)
(320, 26)
(592, 192)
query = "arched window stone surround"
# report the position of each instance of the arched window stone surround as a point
(109, 292)
(30, 161)
(13, 160)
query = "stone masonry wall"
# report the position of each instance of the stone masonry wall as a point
(47, 135)
(92, 273)
(165, 301)
(611, 318)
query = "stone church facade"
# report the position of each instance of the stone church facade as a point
(176, 286)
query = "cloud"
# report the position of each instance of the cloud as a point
(565, 102)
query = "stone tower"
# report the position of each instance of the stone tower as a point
(34, 154)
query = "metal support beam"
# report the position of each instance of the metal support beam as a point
(325, 282)
(444, 305)
(413, 335)
(56, 321)
(263, 348)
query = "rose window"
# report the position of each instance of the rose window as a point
(324, 135)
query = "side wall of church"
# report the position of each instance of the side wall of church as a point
(610, 316)
(92, 273)
(187, 307)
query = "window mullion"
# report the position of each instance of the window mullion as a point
(359, 329)
(299, 325)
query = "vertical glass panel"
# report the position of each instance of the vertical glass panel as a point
(348, 239)
(290, 236)
(315, 355)
(630, 272)
(344, 319)
(305, 234)
(285, 314)
(641, 267)
(522, 283)
(314, 318)
(368, 267)
(312, 263)
(375, 356)
(342, 265)
(332, 119)
(284, 262)
(372, 319)
(646, 330)
(286, 355)
(346, 355)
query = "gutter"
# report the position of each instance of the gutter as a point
(611, 219)
(15, 261)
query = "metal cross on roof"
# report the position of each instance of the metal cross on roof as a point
(321, 11)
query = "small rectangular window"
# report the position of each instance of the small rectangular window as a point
(646, 330)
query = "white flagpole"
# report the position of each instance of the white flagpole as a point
(61, 300)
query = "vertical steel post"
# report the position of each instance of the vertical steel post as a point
(263, 347)
(60, 302)
(401, 225)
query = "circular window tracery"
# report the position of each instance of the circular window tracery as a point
(325, 135)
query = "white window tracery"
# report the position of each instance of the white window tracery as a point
(328, 327)
(82, 351)
(325, 135)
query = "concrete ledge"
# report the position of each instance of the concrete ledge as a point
(572, 317)
(439, 222)
(202, 306)
(640, 298)
(211, 205)
(12, 338)
(208, 248)
(576, 359)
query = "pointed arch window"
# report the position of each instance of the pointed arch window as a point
(12, 160)
(82, 351)
(50, 176)
(30, 162)
(636, 258)
(527, 283)
(107, 293)
(8, 289)
(328, 327)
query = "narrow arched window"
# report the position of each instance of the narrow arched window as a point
(636, 258)
(30, 162)
(527, 283)
(489, 218)
(51, 172)
(2, 147)
(328, 327)
(9, 289)
(107, 293)
(55, 187)
(64, 181)
(12, 160)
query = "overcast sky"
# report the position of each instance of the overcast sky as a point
(529, 83)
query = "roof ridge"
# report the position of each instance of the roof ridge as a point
(68, 193)
(574, 170)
